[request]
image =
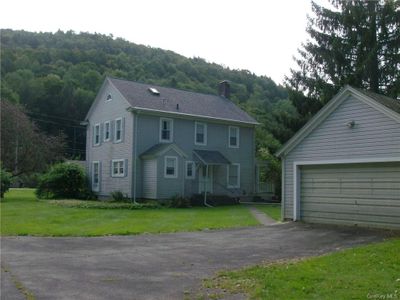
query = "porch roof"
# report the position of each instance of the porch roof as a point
(209, 157)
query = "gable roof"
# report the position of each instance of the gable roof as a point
(209, 157)
(179, 102)
(160, 149)
(386, 105)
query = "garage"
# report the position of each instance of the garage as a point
(353, 194)
(343, 166)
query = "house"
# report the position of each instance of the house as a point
(343, 166)
(154, 142)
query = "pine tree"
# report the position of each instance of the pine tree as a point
(354, 42)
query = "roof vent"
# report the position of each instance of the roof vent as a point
(154, 91)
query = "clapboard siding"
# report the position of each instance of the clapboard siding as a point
(150, 179)
(101, 112)
(374, 136)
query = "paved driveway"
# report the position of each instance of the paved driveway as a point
(155, 266)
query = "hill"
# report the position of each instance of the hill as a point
(56, 77)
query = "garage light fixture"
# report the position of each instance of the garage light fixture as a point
(351, 124)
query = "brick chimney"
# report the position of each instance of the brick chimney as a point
(224, 89)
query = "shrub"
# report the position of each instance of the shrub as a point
(118, 196)
(5, 181)
(64, 180)
(179, 202)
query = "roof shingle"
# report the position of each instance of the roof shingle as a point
(176, 101)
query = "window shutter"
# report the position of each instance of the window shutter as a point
(112, 130)
(122, 129)
(93, 134)
(125, 168)
(99, 176)
(101, 133)
(111, 168)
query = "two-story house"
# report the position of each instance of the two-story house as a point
(155, 142)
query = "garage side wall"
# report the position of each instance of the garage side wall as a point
(374, 135)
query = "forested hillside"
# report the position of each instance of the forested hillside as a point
(56, 77)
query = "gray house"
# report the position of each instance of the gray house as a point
(343, 166)
(155, 142)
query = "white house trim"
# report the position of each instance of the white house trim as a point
(97, 125)
(237, 137)
(193, 169)
(175, 158)
(171, 135)
(297, 174)
(238, 176)
(190, 116)
(105, 131)
(118, 174)
(115, 130)
(195, 133)
(96, 188)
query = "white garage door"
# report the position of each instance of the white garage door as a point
(362, 194)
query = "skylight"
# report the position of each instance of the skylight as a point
(154, 91)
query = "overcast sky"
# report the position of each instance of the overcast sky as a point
(258, 35)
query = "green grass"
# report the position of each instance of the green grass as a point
(23, 214)
(367, 272)
(271, 210)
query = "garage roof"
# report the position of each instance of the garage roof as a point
(388, 106)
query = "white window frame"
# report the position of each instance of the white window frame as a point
(116, 129)
(175, 158)
(187, 163)
(96, 188)
(237, 138)
(118, 174)
(97, 125)
(205, 134)
(237, 185)
(108, 98)
(105, 131)
(171, 130)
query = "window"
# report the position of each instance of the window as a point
(107, 131)
(233, 176)
(200, 134)
(190, 170)
(170, 167)
(96, 176)
(233, 137)
(109, 97)
(166, 130)
(96, 135)
(118, 168)
(118, 130)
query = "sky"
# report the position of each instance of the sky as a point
(257, 35)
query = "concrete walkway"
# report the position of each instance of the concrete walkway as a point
(261, 216)
(151, 266)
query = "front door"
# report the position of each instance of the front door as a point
(205, 182)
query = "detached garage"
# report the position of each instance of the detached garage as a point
(343, 166)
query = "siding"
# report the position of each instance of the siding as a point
(217, 139)
(374, 136)
(107, 111)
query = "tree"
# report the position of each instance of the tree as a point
(24, 149)
(355, 42)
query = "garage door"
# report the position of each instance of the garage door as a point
(362, 194)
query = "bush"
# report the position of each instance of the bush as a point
(64, 180)
(5, 181)
(179, 202)
(213, 200)
(118, 196)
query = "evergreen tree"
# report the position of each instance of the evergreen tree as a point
(354, 42)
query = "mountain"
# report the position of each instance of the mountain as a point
(56, 77)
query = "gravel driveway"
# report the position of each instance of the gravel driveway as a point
(164, 266)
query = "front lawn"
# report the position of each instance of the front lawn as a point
(22, 214)
(367, 272)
